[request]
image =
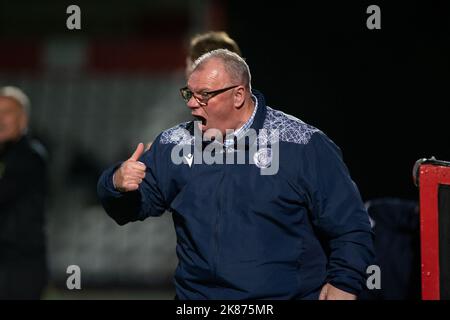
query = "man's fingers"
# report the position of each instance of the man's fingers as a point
(136, 165)
(132, 170)
(147, 147)
(131, 186)
(132, 178)
(138, 152)
(137, 181)
(136, 175)
(128, 186)
(323, 292)
(333, 293)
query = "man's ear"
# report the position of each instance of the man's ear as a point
(239, 97)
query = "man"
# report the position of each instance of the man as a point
(299, 233)
(23, 267)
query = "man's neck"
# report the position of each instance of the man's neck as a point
(247, 111)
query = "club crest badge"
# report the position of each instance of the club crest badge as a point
(263, 158)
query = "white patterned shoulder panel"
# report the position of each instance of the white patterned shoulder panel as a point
(278, 126)
(177, 135)
(283, 127)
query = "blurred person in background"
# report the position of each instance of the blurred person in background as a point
(300, 233)
(23, 184)
(206, 42)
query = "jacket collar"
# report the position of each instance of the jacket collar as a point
(260, 115)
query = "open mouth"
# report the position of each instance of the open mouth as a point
(201, 119)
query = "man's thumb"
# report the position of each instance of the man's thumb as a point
(138, 152)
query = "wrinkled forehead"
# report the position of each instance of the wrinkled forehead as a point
(210, 75)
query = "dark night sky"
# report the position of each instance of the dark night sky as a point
(381, 95)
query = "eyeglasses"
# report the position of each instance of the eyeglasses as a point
(187, 94)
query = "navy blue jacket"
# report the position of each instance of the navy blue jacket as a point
(244, 235)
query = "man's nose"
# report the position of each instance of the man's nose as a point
(193, 103)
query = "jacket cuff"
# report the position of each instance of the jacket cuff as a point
(109, 181)
(353, 288)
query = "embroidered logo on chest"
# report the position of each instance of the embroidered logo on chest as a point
(263, 158)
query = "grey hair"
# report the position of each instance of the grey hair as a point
(234, 64)
(18, 95)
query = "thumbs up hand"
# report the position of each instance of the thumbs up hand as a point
(130, 174)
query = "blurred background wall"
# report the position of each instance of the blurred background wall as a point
(381, 95)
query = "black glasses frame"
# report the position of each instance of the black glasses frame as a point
(187, 94)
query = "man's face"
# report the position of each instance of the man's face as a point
(12, 120)
(219, 111)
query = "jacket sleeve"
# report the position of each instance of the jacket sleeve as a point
(339, 215)
(147, 201)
